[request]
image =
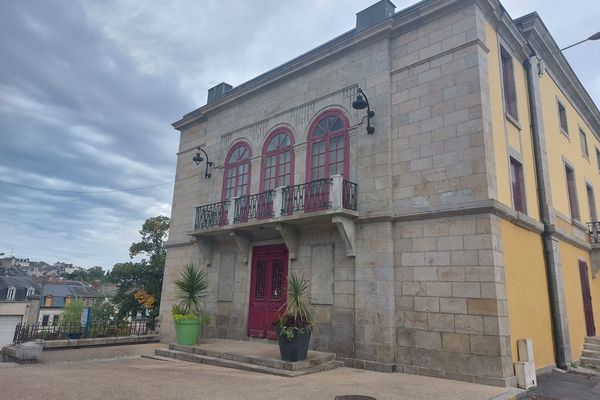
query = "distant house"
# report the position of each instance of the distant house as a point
(19, 302)
(57, 294)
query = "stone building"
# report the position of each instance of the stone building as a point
(429, 248)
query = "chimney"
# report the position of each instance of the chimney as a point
(374, 14)
(218, 92)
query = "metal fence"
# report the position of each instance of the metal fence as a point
(210, 215)
(27, 332)
(310, 196)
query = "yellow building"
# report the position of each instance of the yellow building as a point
(547, 159)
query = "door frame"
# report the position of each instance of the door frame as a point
(261, 246)
(586, 294)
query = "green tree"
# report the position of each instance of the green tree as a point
(146, 274)
(102, 310)
(71, 314)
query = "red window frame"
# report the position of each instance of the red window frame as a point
(236, 166)
(328, 138)
(518, 185)
(508, 82)
(278, 168)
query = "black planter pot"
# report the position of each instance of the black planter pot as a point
(295, 349)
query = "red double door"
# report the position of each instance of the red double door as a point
(268, 289)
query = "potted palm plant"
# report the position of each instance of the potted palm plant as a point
(296, 321)
(188, 313)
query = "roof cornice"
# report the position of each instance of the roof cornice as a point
(559, 68)
(399, 20)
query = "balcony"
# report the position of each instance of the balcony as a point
(331, 200)
(594, 231)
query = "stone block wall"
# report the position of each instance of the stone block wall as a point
(452, 314)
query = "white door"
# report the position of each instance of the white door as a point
(7, 328)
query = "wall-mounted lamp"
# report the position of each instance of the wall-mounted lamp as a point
(361, 103)
(198, 159)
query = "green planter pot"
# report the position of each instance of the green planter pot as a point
(187, 331)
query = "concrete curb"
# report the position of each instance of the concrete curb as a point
(511, 394)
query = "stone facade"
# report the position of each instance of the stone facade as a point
(414, 279)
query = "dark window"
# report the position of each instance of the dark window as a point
(584, 146)
(598, 159)
(518, 185)
(55, 320)
(572, 192)
(45, 319)
(508, 82)
(562, 114)
(591, 202)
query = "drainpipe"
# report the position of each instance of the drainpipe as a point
(549, 260)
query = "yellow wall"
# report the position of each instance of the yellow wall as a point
(570, 256)
(526, 289)
(506, 134)
(560, 146)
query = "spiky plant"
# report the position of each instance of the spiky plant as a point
(191, 291)
(297, 311)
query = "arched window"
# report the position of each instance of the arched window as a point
(328, 149)
(236, 179)
(278, 161)
(10, 294)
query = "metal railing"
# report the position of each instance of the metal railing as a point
(349, 190)
(310, 196)
(210, 215)
(594, 231)
(321, 194)
(259, 205)
(27, 332)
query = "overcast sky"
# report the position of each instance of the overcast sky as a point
(88, 90)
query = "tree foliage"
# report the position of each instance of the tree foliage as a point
(72, 312)
(88, 275)
(102, 311)
(143, 277)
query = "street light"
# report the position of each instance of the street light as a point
(541, 63)
(595, 36)
(198, 159)
(361, 103)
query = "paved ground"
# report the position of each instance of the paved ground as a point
(570, 386)
(131, 377)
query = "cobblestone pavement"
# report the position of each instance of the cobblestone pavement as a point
(130, 377)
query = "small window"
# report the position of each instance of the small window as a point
(55, 320)
(30, 291)
(562, 114)
(10, 295)
(68, 300)
(518, 185)
(572, 192)
(48, 301)
(45, 319)
(508, 82)
(591, 202)
(598, 159)
(584, 146)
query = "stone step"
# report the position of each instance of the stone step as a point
(314, 359)
(590, 362)
(591, 354)
(595, 340)
(226, 363)
(591, 347)
(157, 357)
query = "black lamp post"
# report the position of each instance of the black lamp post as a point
(198, 159)
(361, 103)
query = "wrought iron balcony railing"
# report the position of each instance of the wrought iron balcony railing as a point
(594, 231)
(210, 215)
(321, 194)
